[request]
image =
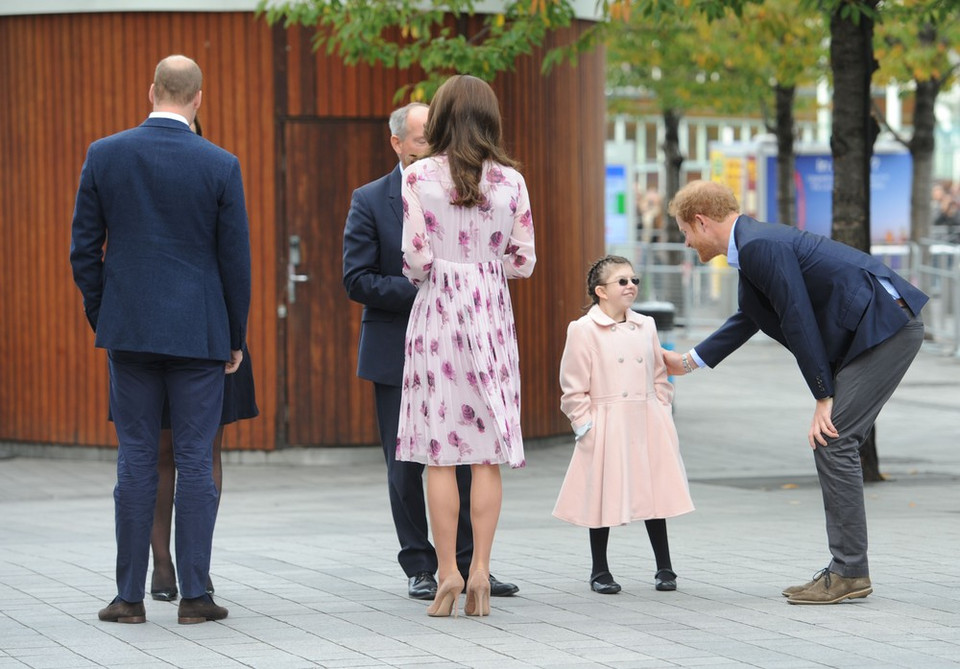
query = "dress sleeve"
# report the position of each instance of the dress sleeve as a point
(520, 255)
(575, 367)
(417, 253)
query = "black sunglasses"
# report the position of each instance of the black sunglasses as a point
(623, 282)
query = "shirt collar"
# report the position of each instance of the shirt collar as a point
(733, 255)
(598, 316)
(170, 115)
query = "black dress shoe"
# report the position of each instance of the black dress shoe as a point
(665, 580)
(501, 589)
(119, 611)
(199, 610)
(422, 586)
(604, 584)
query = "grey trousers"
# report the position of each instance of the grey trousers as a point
(861, 389)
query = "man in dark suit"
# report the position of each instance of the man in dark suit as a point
(168, 298)
(372, 275)
(852, 324)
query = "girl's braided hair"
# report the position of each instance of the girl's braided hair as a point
(595, 274)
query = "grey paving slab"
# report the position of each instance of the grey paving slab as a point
(305, 553)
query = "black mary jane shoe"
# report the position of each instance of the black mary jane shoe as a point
(606, 586)
(159, 590)
(665, 579)
(164, 594)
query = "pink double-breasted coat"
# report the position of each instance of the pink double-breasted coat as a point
(627, 466)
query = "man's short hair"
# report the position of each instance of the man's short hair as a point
(707, 198)
(398, 119)
(177, 80)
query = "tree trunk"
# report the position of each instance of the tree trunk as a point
(922, 145)
(671, 151)
(670, 288)
(854, 131)
(852, 63)
(786, 191)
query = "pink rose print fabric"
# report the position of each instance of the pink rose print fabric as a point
(461, 377)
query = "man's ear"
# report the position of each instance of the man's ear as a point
(150, 95)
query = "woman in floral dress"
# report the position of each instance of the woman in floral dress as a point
(467, 228)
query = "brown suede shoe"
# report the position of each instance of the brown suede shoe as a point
(120, 611)
(199, 610)
(833, 588)
(795, 589)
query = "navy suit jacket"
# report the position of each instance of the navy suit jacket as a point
(174, 278)
(818, 297)
(373, 276)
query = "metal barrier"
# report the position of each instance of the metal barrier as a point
(705, 294)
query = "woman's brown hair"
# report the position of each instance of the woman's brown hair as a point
(464, 124)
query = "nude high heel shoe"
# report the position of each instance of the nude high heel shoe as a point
(478, 595)
(448, 593)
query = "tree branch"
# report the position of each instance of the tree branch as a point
(883, 119)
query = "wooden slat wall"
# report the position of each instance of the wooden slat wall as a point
(66, 80)
(555, 126)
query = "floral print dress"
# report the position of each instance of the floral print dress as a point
(461, 378)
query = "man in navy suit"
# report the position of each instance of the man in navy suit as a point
(161, 254)
(372, 276)
(854, 327)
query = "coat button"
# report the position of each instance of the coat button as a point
(633, 327)
(620, 359)
(639, 359)
(624, 394)
(613, 328)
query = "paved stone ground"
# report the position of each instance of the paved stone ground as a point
(304, 555)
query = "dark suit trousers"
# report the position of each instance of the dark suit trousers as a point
(861, 389)
(405, 484)
(139, 382)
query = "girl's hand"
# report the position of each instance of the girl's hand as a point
(674, 363)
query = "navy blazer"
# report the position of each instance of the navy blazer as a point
(174, 278)
(818, 297)
(373, 276)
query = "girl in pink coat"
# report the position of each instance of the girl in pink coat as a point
(626, 463)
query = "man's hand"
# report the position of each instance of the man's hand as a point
(233, 364)
(822, 424)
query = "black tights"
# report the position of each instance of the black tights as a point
(656, 530)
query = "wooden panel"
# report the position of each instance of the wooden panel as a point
(554, 126)
(53, 387)
(326, 161)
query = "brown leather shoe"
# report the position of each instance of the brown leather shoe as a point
(832, 589)
(795, 589)
(199, 610)
(120, 611)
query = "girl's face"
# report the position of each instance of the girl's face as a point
(619, 287)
